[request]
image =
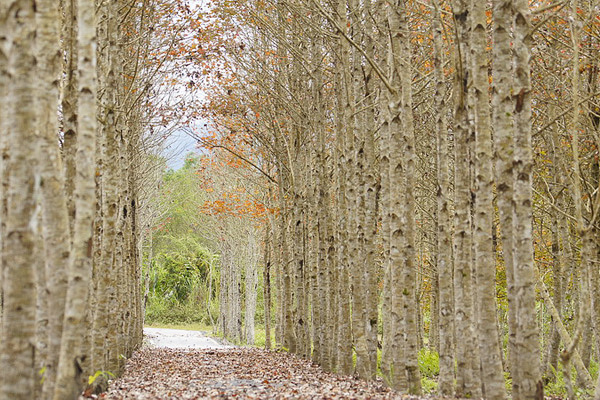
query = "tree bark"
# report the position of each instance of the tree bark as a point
(69, 378)
(492, 378)
(527, 344)
(55, 225)
(444, 222)
(267, 287)
(502, 111)
(4, 153)
(17, 351)
(68, 101)
(467, 379)
(251, 288)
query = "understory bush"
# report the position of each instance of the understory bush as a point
(557, 387)
(183, 286)
(164, 311)
(429, 365)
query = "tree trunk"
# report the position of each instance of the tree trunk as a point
(527, 345)
(467, 379)
(251, 288)
(4, 151)
(55, 226)
(502, 109)
(492, 378)
(69, 379)
(444, 224)
(338, 279)
(267, 287)
(372, 267)
(68, 100)
(17, 351)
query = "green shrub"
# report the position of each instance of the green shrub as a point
(179, 276)
(429, 363)
(557, 387)
(180, 284)
(429, 385)
(166, 311)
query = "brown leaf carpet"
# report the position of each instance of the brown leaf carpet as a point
(237, 373)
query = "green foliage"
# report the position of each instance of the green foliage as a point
(180, 285)
(557, 388)
(429, 366)
(260, 336)
(428, 385)
(508, 382)
(180, 275)
(167, 311)
(105, 374)
(42, 373)
(429, 363)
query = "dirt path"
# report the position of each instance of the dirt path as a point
(234, 373)
(180, 339)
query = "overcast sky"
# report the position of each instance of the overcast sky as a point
(177, 146)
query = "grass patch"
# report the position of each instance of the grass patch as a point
(429, 365)
(260, 337)
(429, 386)
(171, 311)
(557, 387)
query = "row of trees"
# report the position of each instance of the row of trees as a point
(79, 82)
(428, 164)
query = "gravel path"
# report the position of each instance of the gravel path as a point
(180, 339)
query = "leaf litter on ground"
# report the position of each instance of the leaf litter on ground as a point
(235, 373)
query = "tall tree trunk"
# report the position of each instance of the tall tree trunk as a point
(104, 339)
(299, 309)
(409, 218)
(560, 239)
(320, 203)
(467, 379)
(223, 289)
(444, 224)
(357, 131)
(388, 316)
(267, 287)
(402, 169)
(527, 344)
(17, 351)
(69, 379)
(251, 288)
(502, 109)
(492, 378)
(338, 277)
(289, 335)
(372, 267)
(398, 379)
(68, 101)
(55, 229)
(4, 151)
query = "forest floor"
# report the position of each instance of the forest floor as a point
(178, 368)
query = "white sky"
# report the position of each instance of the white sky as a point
(176, 147)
